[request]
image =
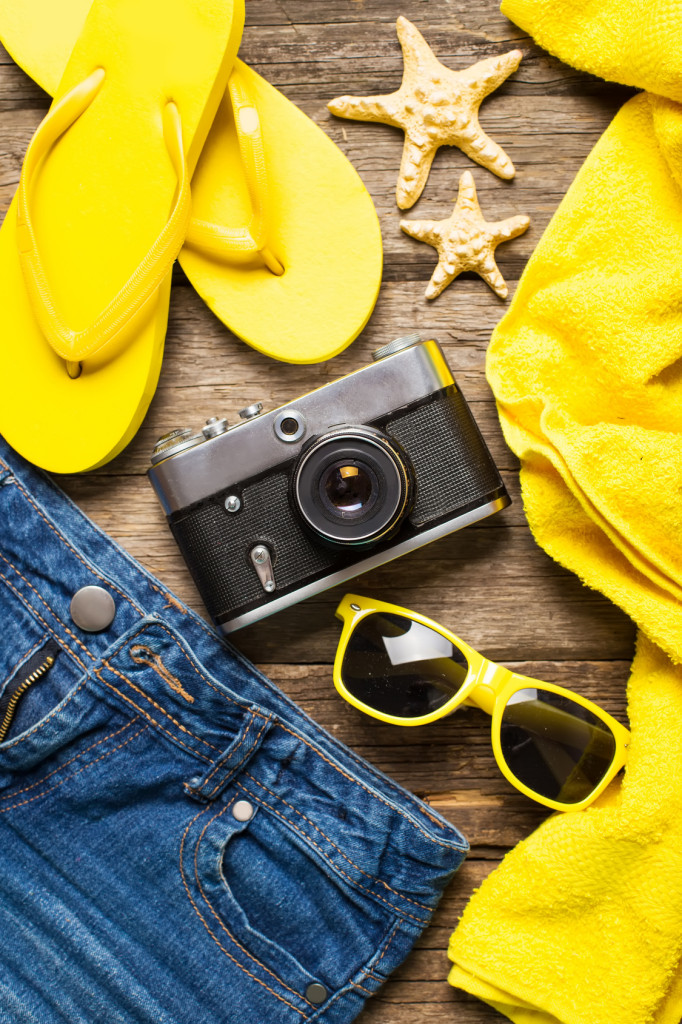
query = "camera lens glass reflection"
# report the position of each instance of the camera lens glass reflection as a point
(353, 486)
(349, 488)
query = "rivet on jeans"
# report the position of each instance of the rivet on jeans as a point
(242, 810)
(316, 993)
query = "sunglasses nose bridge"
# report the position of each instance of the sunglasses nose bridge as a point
(490, 678)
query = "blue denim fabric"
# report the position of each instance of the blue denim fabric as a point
(129, 890)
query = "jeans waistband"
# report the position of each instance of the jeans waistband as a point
(188, 682)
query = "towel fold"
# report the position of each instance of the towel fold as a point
(582, 923)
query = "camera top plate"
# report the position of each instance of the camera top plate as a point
(257, 444)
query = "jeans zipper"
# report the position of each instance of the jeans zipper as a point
(34, 669)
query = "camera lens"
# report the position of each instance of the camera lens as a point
(350, 488)
(353, 486)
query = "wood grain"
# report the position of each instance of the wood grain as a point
(491, 583)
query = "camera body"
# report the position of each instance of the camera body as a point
(288, 503)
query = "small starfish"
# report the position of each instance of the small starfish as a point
(435, 106)
(465, 241)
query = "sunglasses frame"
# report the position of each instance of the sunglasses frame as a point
(486, 685)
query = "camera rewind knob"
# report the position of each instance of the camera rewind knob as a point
(397, 345)
(173, 442)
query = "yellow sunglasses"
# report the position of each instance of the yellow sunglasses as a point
(554, 745)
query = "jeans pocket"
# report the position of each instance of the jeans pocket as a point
(276, 906)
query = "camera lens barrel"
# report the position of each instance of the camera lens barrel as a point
(353, 486)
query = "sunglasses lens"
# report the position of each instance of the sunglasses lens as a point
(554, 746)
(400, 667)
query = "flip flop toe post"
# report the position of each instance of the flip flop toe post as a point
(101, 212)
(285, 244)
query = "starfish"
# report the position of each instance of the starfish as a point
(465, 241)
(435, 106)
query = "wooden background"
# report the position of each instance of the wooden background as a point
(490, 583)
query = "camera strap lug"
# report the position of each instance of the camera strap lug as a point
(260, 556)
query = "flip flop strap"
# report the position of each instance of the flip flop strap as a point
(221, 242)
(72, 345)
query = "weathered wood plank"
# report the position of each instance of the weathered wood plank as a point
(491, 583)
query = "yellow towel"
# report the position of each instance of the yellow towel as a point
(582, 923)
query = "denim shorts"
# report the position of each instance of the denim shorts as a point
(179, 842)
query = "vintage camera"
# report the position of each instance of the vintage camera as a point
(289, 502)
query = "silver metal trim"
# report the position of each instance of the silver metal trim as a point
(367, 394)
(418, 541)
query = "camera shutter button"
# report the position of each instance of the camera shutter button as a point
(251, 410)
(214, 427)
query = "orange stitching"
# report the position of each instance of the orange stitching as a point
(171, 601)
(154, 662)
(363, 974)
(26, 656)
(368, 972)
(51, 610)
(226, 697)
(422, 906)
(375, 796)
(38, 796)
(353, 881)
(18, 792)
(176, 739)
(158, 707)
(220, 921)
(218, 763)
(248, 753)
(59, 707)
(80, 558)
(362, 988)
(315, 750)
(214, 937)
(140, 570)
(390, 940)
(126, 597)
(62, 643)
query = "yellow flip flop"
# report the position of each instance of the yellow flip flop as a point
(285, 244)
(102, 209)
(297, 272)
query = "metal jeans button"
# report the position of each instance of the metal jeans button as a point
(92, 609)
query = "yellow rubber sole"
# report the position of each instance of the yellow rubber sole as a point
(324, 226)
(100, 198)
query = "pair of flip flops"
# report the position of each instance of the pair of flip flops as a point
(277, 233)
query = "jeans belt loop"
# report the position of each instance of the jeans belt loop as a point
(210, 785)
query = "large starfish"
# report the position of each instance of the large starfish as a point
(465, 241)
(435, 106)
